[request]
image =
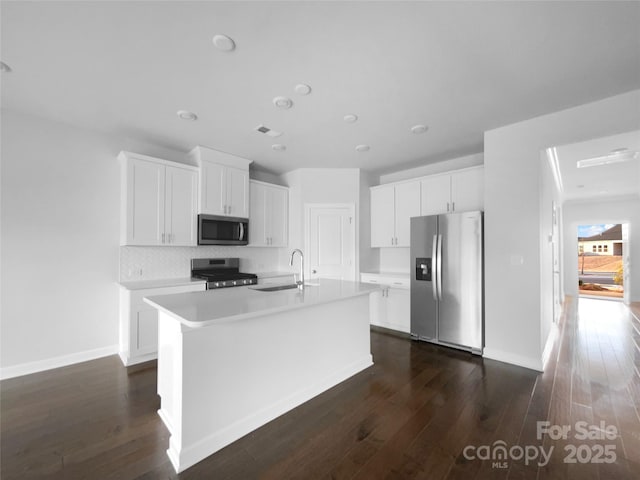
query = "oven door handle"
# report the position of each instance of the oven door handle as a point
(241, 230)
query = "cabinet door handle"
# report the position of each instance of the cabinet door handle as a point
(163, 238)
(447, 206)
(453, 206)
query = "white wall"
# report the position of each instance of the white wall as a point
(60, 242)
(433, 168)
(595, 212)
(323, 185)
(513, 233)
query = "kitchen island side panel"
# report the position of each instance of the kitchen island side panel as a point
(237, 376)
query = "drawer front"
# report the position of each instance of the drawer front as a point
(389, 281)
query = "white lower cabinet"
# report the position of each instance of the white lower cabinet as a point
(391, 306)
(139, 322)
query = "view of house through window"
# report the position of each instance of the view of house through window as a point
(600, 260)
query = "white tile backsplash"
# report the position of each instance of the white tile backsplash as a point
(152, 263)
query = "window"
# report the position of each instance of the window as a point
(606, 248)
(599, 248)
(581, 249)
(593, 248)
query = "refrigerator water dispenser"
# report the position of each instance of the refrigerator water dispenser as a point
(423, 269)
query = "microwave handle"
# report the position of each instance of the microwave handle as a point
(241, 231)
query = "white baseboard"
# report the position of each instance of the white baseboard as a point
(513, 359)
(183, 459)
(56, 362)
(551, 340)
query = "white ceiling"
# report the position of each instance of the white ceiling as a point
(612, 180)
(459, 67)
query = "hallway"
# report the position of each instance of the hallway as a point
(597, 381)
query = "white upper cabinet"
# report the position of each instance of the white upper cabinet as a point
(460, 191)
(181, 193)
(158, 201)
(436, 195)
(392, 206)
(224, 183)
(268, 215)
(407, 205)
(382, 216)
(467, 190)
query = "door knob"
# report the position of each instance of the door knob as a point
(314, 271)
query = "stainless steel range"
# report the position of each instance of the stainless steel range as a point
(221, 272)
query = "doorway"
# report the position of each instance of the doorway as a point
(601, 260)
(330, 240)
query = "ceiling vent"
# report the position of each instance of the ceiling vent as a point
(267, 131)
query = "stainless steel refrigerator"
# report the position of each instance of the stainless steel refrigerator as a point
(447, 281)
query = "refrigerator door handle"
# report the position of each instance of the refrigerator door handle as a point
(439, 267)
(434, 281)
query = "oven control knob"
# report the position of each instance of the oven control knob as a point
(245, 281)
(235, 283)
(216, 284)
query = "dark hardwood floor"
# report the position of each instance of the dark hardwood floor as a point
(411, 415)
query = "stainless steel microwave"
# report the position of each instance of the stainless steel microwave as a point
(218, 230)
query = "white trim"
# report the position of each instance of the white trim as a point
(551, 340)
(125, 156)
(424, 177)
(513, 359)
(56, 362)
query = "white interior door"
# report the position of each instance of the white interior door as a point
(330, 241)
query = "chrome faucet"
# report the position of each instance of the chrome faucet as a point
(300, 281)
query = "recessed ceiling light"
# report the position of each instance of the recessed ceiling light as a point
(278, 147)
(419, 128)
(187, 115)
(283, 102)
(351, 118)
(303, 89)
(363, 148)
(224, 43)
(5, 68)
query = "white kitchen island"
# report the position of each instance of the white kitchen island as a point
(231, 360)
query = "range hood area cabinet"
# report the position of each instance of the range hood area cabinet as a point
(391, 208)
(268, 215)
(158, 201)
(224, 182)
(393, 204)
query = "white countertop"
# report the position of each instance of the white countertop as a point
(159, 283)
(404, 276)
(199, 309)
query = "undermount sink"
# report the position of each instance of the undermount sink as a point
(276, 288)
